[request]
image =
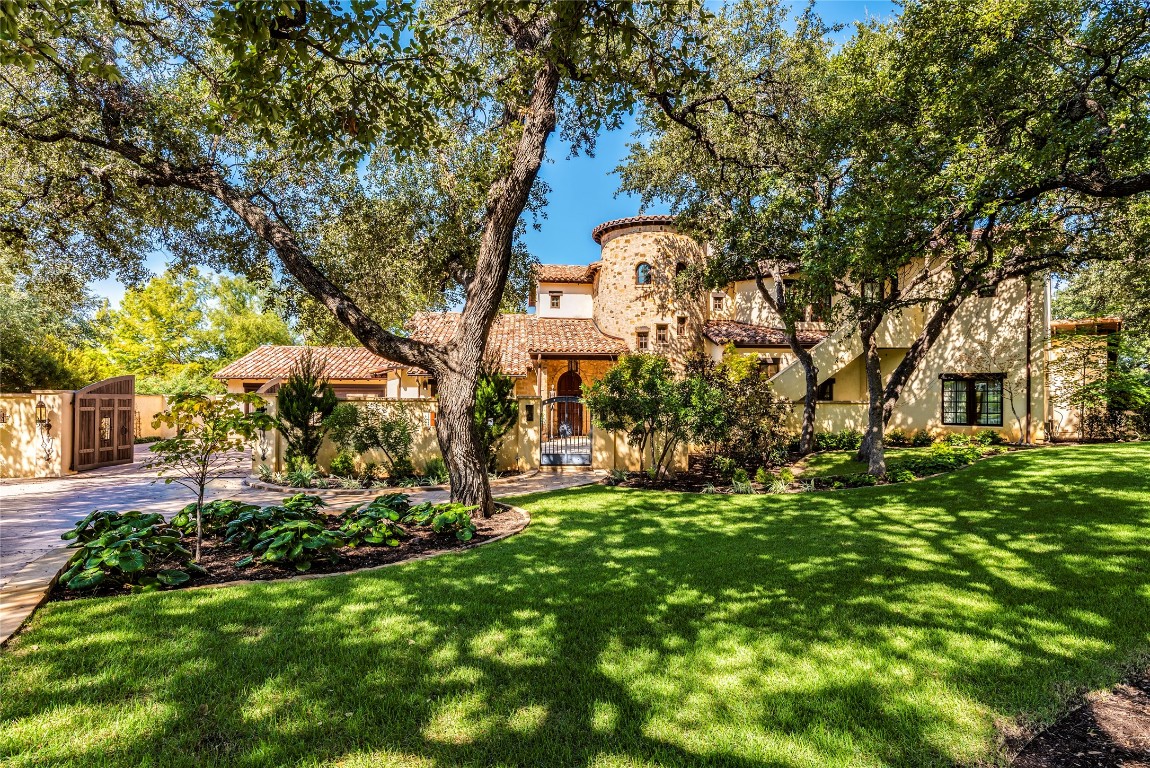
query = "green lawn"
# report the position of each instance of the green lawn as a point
(896, 625)
(843, 463)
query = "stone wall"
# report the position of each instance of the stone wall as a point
(623, 307)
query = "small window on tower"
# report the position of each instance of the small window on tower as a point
(661, 334)
(680, 325)
(643, 274)
(556, 296)
(641, 341)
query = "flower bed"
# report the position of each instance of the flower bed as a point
(132, 552)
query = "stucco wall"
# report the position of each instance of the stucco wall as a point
(22, 447)
(576, 300)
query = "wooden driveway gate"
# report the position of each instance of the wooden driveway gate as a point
(103, 430)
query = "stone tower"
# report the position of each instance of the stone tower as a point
(636, 291)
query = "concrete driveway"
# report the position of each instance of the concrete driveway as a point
(33, 513)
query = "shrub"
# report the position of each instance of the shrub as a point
(303, 403)
(787, 475)
(375, 522)
(762, 476)
(898, 438)
(436, 470)
(496, 411)
(215, 516)
(989, 437)
(266, 474)
(343, 465)
(250, 524)
(303, 475)
(956, 439)
(391, 434)
(922, 439)
(444, 518)
(740, 476)
(725, 466)
(741, 487)
(119, 548)
(709, 488)
(401, 468)
(778, 485)
(900, 476)
(940, 458)
(296, 542)
(616, 477)
(843, 440)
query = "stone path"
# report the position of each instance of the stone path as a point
(33, 514)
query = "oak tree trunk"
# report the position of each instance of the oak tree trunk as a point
(455, 428)
(872, 450)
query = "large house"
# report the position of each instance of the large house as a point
(987, 371)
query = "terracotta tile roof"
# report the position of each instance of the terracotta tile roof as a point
(566, 273)
(515, 338)
(749, 335)
(1087, 325)
(269, 362)
(607, 226)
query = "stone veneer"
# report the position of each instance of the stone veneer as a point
(622, 308)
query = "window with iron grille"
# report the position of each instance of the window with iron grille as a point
(972, 400)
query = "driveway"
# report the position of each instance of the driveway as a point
(33, 513)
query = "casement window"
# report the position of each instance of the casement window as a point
(660, 334)
(680, 325)
(826, 390)
(643, 274)
(556, 297)
(641, 340)
(717, 302)
(974, 400)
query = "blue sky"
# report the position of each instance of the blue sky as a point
(583, 188)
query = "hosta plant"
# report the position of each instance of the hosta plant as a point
(215, 516)
(248, 526)
(376, 521)
(119, 548)
(295, 542)
(443, 518)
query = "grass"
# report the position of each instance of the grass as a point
(899, 625)
(843, 463)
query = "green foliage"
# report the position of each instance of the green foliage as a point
(942, 457)
(342, 465)
(250, 524)
(616, 477)
(496, 411)
(740, 476)
(898, 438)
(303, 402)
(858, 480)
(342, 424)
(900, 476)
(207, 429)
(922, 439)
(215, 516)
(435, 469)
(725, 466)
(389, 432)
(444, 518)
(787, 475)
(295, 542)
(762, 476)
(118, 548)
(39, 338)
(956, 439)
(988, 437)
(843, 440)
(303, 475)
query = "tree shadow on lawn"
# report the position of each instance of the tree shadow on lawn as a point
(883, 626)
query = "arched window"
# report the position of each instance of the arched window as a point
(643, 274)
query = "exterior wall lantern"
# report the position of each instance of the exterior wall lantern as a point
(47, 444)
(263, 444)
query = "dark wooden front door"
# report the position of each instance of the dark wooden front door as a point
(103, 424)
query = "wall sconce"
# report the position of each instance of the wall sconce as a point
(47, 445)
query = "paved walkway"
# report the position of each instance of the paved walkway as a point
(33, 513)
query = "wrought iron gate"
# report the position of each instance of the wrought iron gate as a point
(565, 433)
(103, 431)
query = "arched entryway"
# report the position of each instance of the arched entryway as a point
(566, 428)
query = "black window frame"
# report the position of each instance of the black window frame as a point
(972, 400)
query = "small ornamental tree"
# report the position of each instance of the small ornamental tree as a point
(496, 411)
(207, 429)
(303, 403)
(386, 431)
(640, 396)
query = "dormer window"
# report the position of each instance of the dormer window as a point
(556, 297)
(643, 274)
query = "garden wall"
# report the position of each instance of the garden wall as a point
(24, 452)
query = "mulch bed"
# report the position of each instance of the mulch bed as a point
(219, 558)
(1111, 730)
